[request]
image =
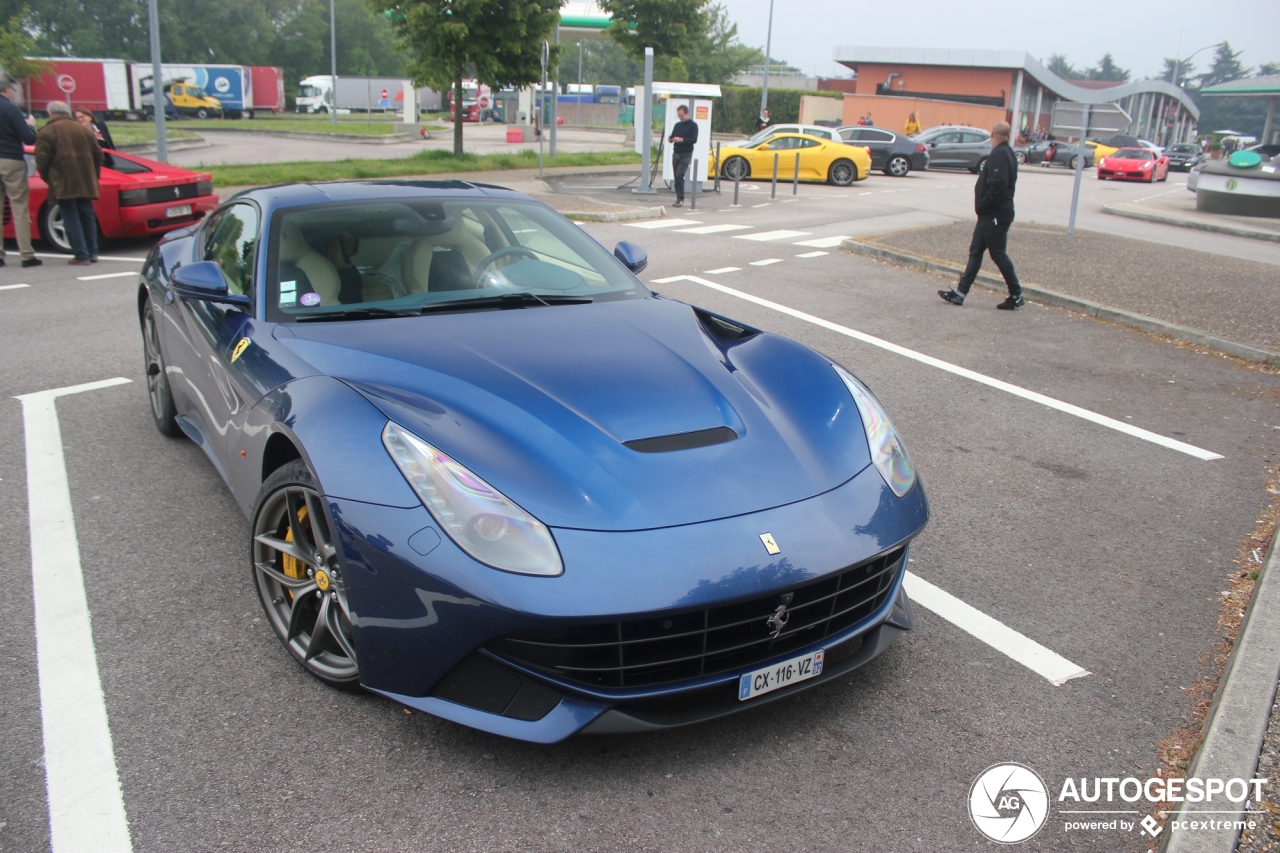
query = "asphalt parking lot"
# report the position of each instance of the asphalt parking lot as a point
(1088, 485)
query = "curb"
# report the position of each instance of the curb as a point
(360, 139)
(618, 216)
(1183, 222)
(176, 145)
(1237, 722)
(1043, 295)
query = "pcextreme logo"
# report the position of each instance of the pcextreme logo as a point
(1009, 803)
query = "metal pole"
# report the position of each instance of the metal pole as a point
(1266, 128)
(368, 102)
(1039, 99)
(333, 66)
(1075, 193)
(768, 46)
(717, 162)
(555, 99)
(540, 102)
(157, 85)
(774, 192)
(737, 176)
(795, 177)
(644, 126)
(578, 120)
(693, 194)
(1015, 114)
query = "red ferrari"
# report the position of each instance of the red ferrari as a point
(1134, 164)
(137, 197)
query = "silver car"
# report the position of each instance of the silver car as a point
(952, 146)
(827, 133)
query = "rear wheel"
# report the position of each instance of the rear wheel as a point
(1020, 156)
(842, 173)
(978, 168)
(736, 169)
(898, 166)
(163, 410)
(299, 580)
(202, 113)
(1075, 161)
(53, 229)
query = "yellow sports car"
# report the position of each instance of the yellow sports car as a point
(820, 160)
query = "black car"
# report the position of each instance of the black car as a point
(1184, 156)
(1050, 151)
(892, 153)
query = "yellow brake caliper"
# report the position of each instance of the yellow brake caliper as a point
(292, 566)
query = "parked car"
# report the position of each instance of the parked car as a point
(827, 133)
(137, 197)
(820, 160)
(1134, 164)
(952, 146)
(1051, 151)
(893, 153)
(1184, 156)
(498, 480)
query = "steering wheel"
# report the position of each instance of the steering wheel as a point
(509, 251)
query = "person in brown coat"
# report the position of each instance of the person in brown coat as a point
(69, 159)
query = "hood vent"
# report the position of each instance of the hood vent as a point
(682, 440)
(722, 327)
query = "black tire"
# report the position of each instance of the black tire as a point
(163, 410)
(202, 113)
(736, 167)
(1021, 157)
(978, 168)
(51, 228)
(1075, 158)
(897, 167)
(843, 173)
(301, 588)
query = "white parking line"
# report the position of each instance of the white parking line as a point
(86, 808)
(724, 270)
(713, 229)
(766, 262)
(13, 286)
(1057, 669)
(1017, 391)
(766, 236)
(650, 224)
(823, 242)
(106, 275)
(813, 254)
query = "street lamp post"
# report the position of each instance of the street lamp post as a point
(157, 85)
(333, 67)
(768, 46)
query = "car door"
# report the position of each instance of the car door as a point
(813, 160)
(879, 142)
(784, 148)
(212, 332)
(944, 149)
(972, 148)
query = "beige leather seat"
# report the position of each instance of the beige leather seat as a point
(466, 237)
(319, 269)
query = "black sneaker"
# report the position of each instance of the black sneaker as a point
(32, 262)
(955, 297)
(1012, 302)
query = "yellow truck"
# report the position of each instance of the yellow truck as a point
(191, 100)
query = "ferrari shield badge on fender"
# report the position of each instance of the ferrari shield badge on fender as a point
(769, 544)
(241, 346)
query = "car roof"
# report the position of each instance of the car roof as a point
(939, 127)
(295, 195)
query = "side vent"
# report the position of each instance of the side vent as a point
(682, 440)
(723, 328)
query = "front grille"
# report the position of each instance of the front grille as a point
(683, 645)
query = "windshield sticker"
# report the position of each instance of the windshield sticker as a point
(310, 299)
(288, 293)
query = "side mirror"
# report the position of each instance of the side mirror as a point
(633, 257)
(203, 280)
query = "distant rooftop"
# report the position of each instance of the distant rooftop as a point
(1247, 87)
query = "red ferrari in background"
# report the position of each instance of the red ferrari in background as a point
(136, 197)
(1134, 164)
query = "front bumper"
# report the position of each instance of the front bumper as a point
(421, 618)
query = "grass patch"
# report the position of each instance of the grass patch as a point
(296, 123)
(423, 163)
(129, 133)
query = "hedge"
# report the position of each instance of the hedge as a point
(738, 108)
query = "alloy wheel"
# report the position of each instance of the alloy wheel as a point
(899, 167)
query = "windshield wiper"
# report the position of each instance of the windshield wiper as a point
(506, 300)
(353, 314)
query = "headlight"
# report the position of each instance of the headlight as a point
(1146, 164)
(888, 453)
(476, 516)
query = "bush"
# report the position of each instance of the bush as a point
(738, 108)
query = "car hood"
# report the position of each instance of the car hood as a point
(539, 402)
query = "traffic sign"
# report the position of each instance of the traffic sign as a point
(483, 101)
(66, 83)
(1103, 119)
(385, 94)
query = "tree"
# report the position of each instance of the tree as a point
(1268, 69)
(720, 57)
(15, 46)
(1226, 66)
(1177, 70)
(670, 27)
(499, 42)
(1106, 69)
(1058, 65)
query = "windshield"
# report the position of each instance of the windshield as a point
(1133, 154)
(404, 255)
(307, 91)
(195, 92)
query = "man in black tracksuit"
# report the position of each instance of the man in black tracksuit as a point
(993, 202)
(682, 138)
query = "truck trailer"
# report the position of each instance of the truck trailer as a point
(355, 94)
(100, 85)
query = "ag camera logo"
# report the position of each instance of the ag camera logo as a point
(1008, 803)
(222, 84)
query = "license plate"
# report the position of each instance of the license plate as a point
(180, 210)
(779, 675)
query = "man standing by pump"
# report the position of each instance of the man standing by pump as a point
(682, 138)
(993, 202)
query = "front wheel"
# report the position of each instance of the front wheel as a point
(842, 173)
(898, 167)
(202, 113)
(736, 169)
(1021, 157)
(299, 580)
(978, 168)
(163, 410)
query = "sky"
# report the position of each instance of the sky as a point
(806, 32)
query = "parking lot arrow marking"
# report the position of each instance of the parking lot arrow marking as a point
(86, 807)
(1008, 387)
(1026, 651)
